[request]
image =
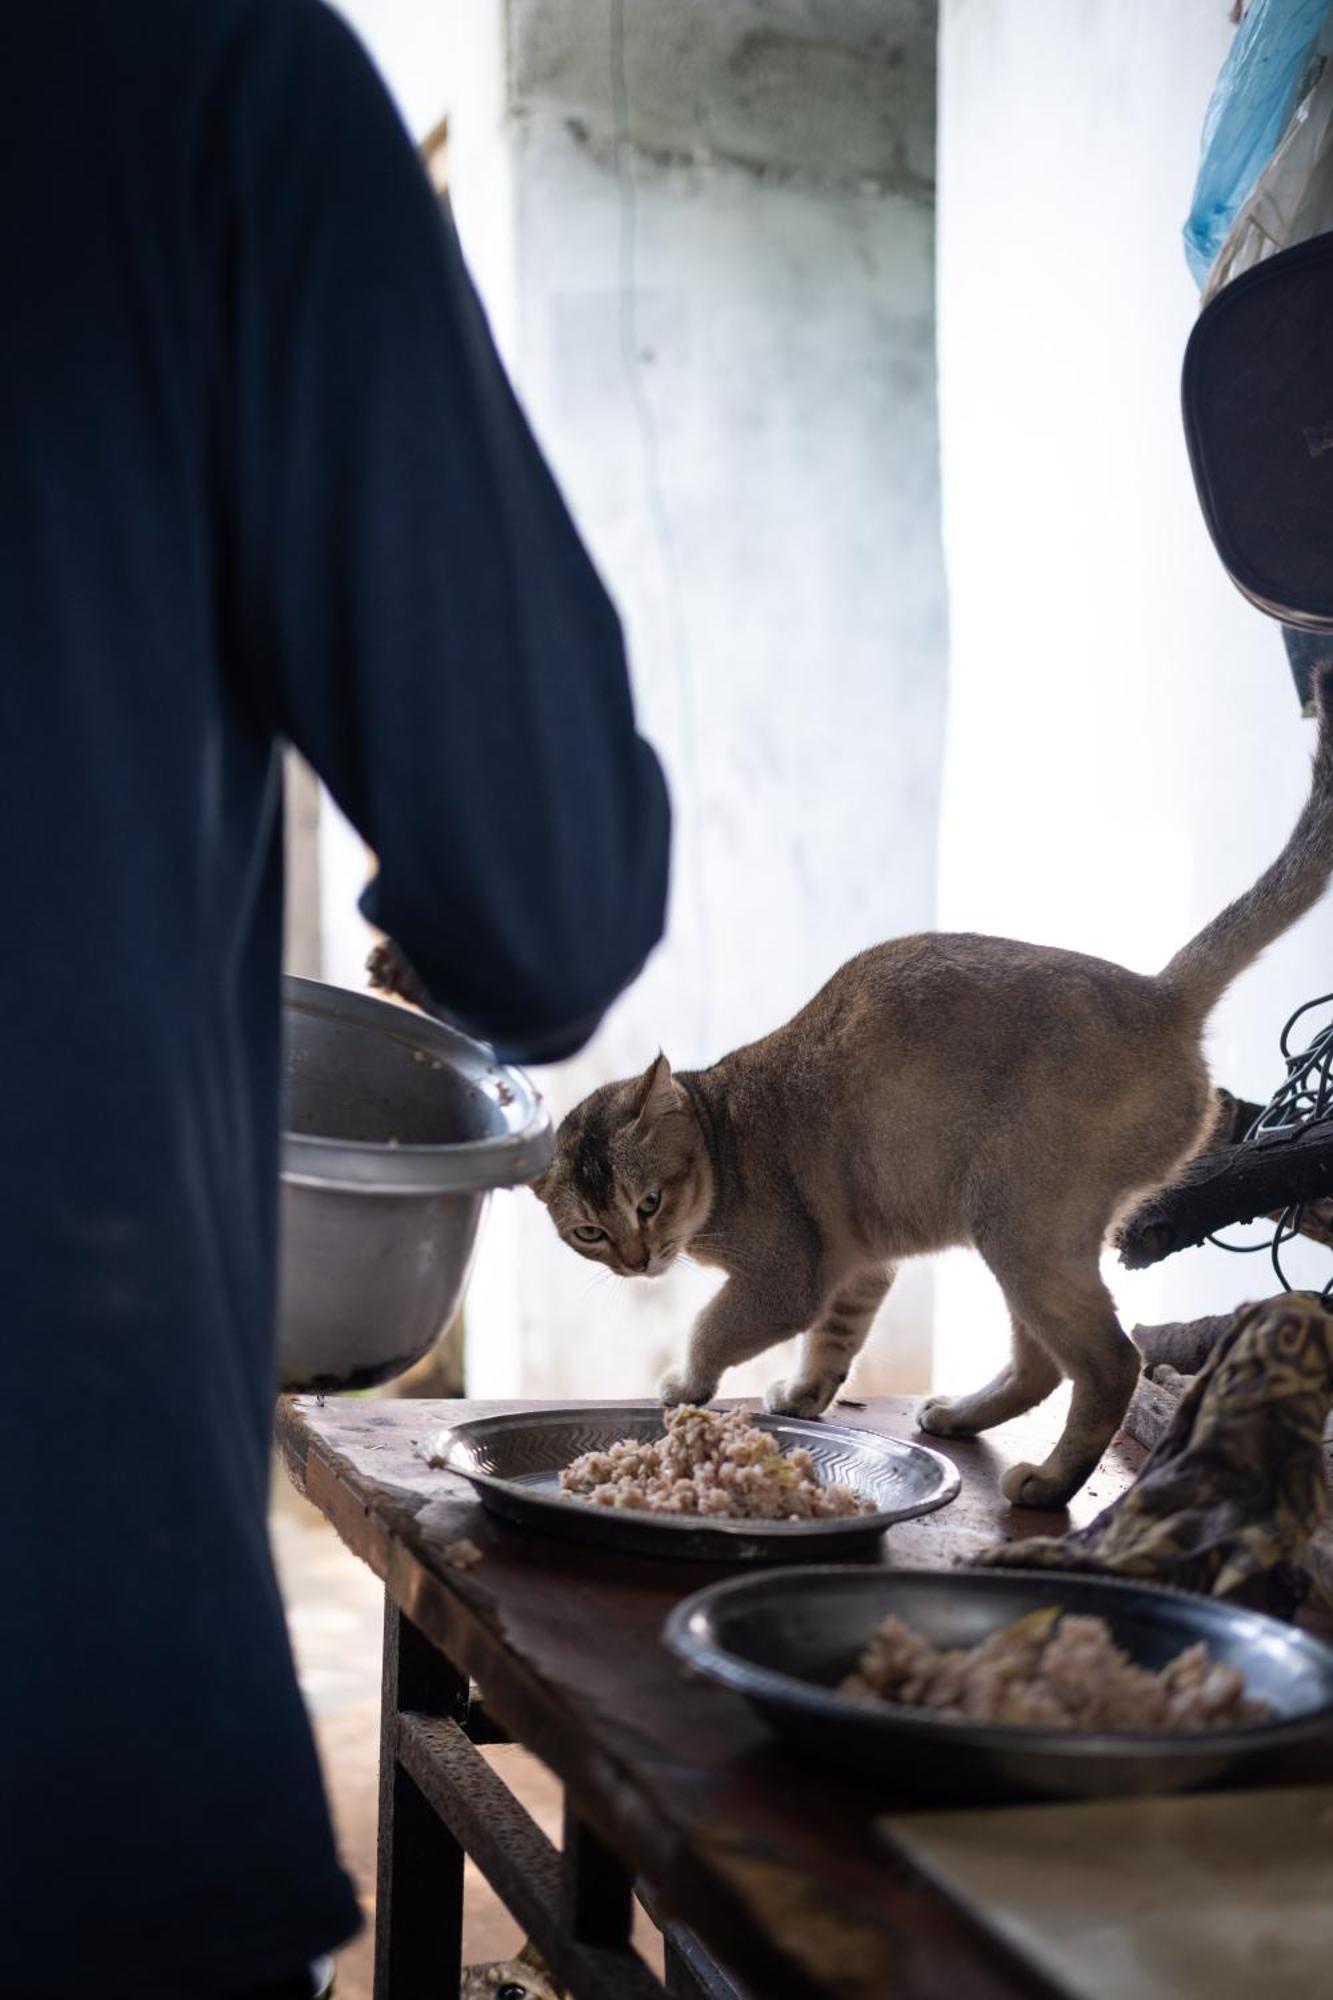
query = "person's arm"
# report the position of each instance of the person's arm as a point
(408, 591)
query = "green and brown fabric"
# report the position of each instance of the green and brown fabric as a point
(1236, 1485)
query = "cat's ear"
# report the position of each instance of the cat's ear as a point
(541, 1186)
(531, 1957)
(661, 1093)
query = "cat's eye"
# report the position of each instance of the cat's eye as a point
(650, 1205)
(511, 1992)
(587, 1233)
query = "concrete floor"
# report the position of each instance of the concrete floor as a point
(335, 1610)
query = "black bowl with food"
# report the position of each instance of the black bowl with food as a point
(1255, 1708)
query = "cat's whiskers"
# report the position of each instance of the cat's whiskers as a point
(597, 1276)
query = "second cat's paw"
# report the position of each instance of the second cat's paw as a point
(799, 1398)
(675, 1388)
(943, 1419)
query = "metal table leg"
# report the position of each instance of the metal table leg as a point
(419, 1880)
(596, 1893)
(440, 1800)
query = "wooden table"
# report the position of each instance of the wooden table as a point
(746, 1859)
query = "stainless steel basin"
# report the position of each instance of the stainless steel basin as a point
(784, 1639)
(395, 1129)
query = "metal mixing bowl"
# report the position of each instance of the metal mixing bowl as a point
(395, 1128)
(784, 1639)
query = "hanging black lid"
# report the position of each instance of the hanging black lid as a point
(1258, 403)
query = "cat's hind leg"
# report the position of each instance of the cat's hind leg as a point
(1026, 1379)
(1058, 1294)
(832, 1344)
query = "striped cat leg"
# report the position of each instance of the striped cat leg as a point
(831, 1345)
(1058, 1294)
(738, 1322)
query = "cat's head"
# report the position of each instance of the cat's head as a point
(631, 1182)
(521, 1978)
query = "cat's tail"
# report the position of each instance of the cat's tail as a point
(1202, 971)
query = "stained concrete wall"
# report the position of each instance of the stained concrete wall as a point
(706, 237)
(1125, 751)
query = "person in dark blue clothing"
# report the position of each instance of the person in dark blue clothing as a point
(262, 481)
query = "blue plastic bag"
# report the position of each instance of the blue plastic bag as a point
(1257, 89)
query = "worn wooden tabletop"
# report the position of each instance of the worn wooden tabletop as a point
(774, 1865)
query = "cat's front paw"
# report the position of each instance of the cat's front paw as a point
(800, 1398)
(675, 1388)
(944, 1419)
(1029, 1486)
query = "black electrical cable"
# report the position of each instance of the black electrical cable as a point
(1305, 1098)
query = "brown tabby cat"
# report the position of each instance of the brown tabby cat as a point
(521, 1978)
(939, 1090)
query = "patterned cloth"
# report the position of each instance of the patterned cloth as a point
(1235, 1487)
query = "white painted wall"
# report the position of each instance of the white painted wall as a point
(1124, 747)
(412, 44)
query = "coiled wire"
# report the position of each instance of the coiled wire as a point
(1305, 1098)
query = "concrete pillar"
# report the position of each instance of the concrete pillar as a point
(706, 237)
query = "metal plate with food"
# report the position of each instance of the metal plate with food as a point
(1254, 1704)
(860, 1482)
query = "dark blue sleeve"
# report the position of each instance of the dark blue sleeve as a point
(408, 592)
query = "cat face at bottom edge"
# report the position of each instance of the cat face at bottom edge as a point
(631, 1183)
(521, 1978)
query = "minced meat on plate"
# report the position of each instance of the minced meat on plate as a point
(1048, 1671)
(710, 1462)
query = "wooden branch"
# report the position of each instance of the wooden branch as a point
(1149, 1415)
(1181, 1344)
(1230, 1184)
